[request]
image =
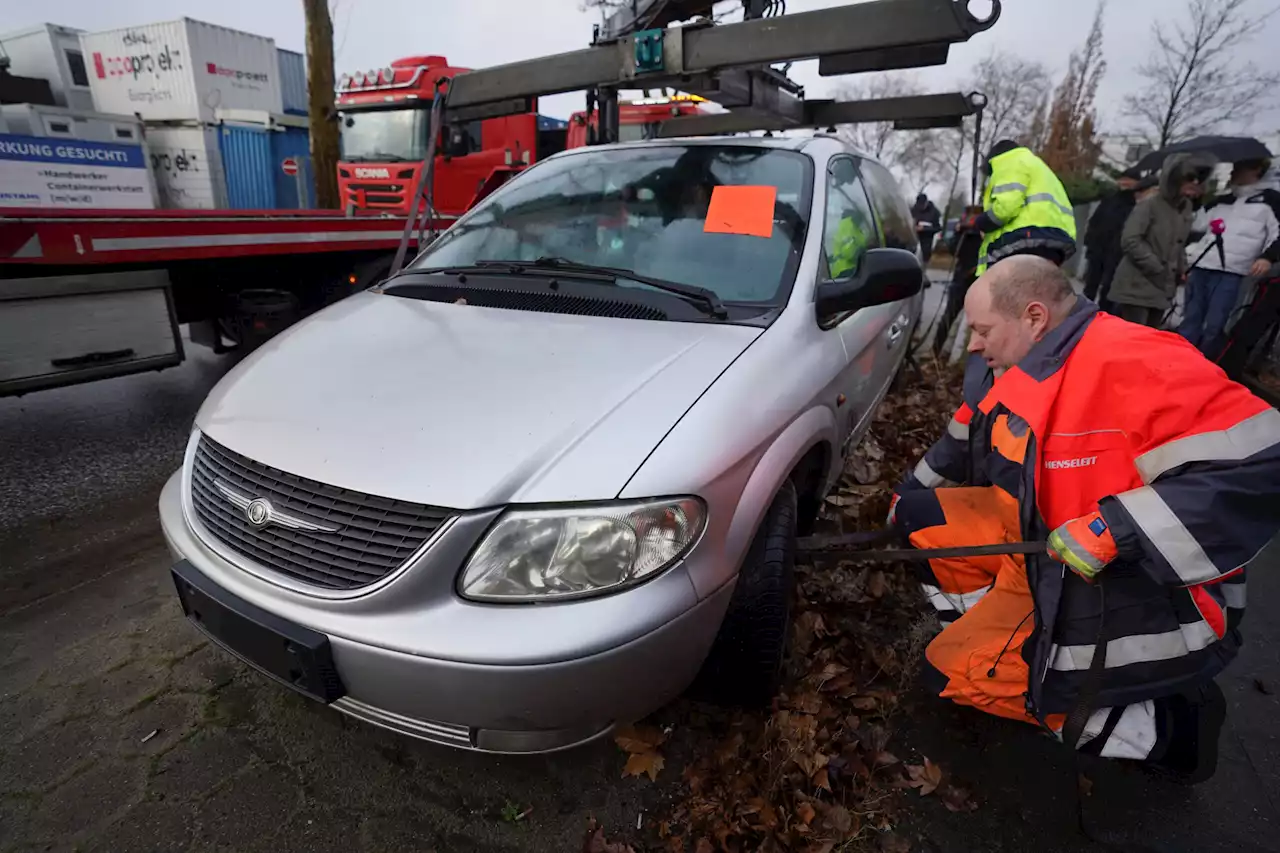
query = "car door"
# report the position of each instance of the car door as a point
(897, 229)
(849, 229)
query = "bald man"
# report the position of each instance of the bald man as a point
(1154, 480)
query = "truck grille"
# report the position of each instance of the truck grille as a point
(374, 535)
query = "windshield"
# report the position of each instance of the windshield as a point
(645, 209)
(384, 135)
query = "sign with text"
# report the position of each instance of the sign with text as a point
(40, 171)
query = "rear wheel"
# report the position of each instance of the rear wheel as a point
(746, 659)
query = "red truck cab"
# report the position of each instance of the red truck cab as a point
(385, 116)
(636, 119)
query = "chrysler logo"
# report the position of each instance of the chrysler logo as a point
(260, 513)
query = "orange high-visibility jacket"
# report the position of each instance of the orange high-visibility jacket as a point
(1184, 465)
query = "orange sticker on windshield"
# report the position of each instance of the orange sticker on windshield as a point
(741, 210)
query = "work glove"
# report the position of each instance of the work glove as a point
(1085, 545)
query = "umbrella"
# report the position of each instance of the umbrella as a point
(1228, 149)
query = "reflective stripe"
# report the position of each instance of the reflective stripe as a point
(1170, 537)
(1250, 436)
(928, 477)
(1050, 197)
(1138, 648)
(1008, 188)
(1077, 549)
(1067, 248)
(1234, 595)
(955, 429)
(1133, 737)
(957, 601)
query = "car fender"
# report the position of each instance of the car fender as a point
(814, 426)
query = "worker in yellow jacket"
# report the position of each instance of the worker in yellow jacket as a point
(1025, 209)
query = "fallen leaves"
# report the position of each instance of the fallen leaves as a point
(595, 841)
(814, 772)
(926, 777)
(641, 743)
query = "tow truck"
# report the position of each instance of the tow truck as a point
(383, 117)
(90, 294)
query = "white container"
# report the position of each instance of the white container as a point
(51, 52)
(181, 71)
(293, 81)
(186, 164)
(63, 123)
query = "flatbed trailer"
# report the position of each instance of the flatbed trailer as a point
(91, 294)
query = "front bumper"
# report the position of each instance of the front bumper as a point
(414, 658)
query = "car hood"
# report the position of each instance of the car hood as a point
(463, 406)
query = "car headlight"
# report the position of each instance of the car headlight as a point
(570, 552)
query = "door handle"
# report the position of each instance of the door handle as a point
(895, 332)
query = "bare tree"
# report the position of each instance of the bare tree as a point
(324, 128)
(877, 138)
(1069, 146)
(1015, 88)
(1195, 81)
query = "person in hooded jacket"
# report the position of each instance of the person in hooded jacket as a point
(1250, 221)
(1152, 262)
(1025, 209)
(928, 223)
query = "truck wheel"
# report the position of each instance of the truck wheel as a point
(745, 664)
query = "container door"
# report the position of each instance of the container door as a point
(291, 153)
(246, 161)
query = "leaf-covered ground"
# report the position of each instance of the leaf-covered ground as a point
(818, 771)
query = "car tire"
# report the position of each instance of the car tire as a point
(744, 667)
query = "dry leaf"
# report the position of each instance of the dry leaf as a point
(839, 819)
(821, 781)
(1085, 784)
(864, 703)
(885, 759)
(926, 777)
(703, 846)
(876, 584)
(595, 841)
(805, 812)
(639, 738)
(956, 799)
(642, 763)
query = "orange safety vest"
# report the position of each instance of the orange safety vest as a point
(1184, 465)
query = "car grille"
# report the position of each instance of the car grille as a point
(374, 536)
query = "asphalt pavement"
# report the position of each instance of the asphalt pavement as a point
(121, 729)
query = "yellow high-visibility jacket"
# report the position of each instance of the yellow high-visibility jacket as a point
(1026, 199)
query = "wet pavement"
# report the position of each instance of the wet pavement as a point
(122, 729)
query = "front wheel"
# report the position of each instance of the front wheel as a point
(745, 664)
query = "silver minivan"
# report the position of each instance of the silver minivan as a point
(551, 475)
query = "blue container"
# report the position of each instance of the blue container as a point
(293, 81)
(293, 191)
(246, 161)
(253, 159)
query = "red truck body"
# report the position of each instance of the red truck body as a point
(385, 121)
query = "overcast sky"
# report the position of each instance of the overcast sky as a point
(476, 33)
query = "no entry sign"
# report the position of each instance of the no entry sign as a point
(289, 165)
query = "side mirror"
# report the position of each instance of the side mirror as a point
(886, 275)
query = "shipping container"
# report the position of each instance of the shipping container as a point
(186, 162)
(181, 70)
(293, 82)
(267, 167)
(63, 123)
(52, 53)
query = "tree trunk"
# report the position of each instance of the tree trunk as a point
(324, 125)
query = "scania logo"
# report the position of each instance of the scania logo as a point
(366, 172)
(260, 513)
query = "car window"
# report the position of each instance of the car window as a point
(892, 211)
(647, 209)
(849, 228)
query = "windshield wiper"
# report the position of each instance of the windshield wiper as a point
(700, 296)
